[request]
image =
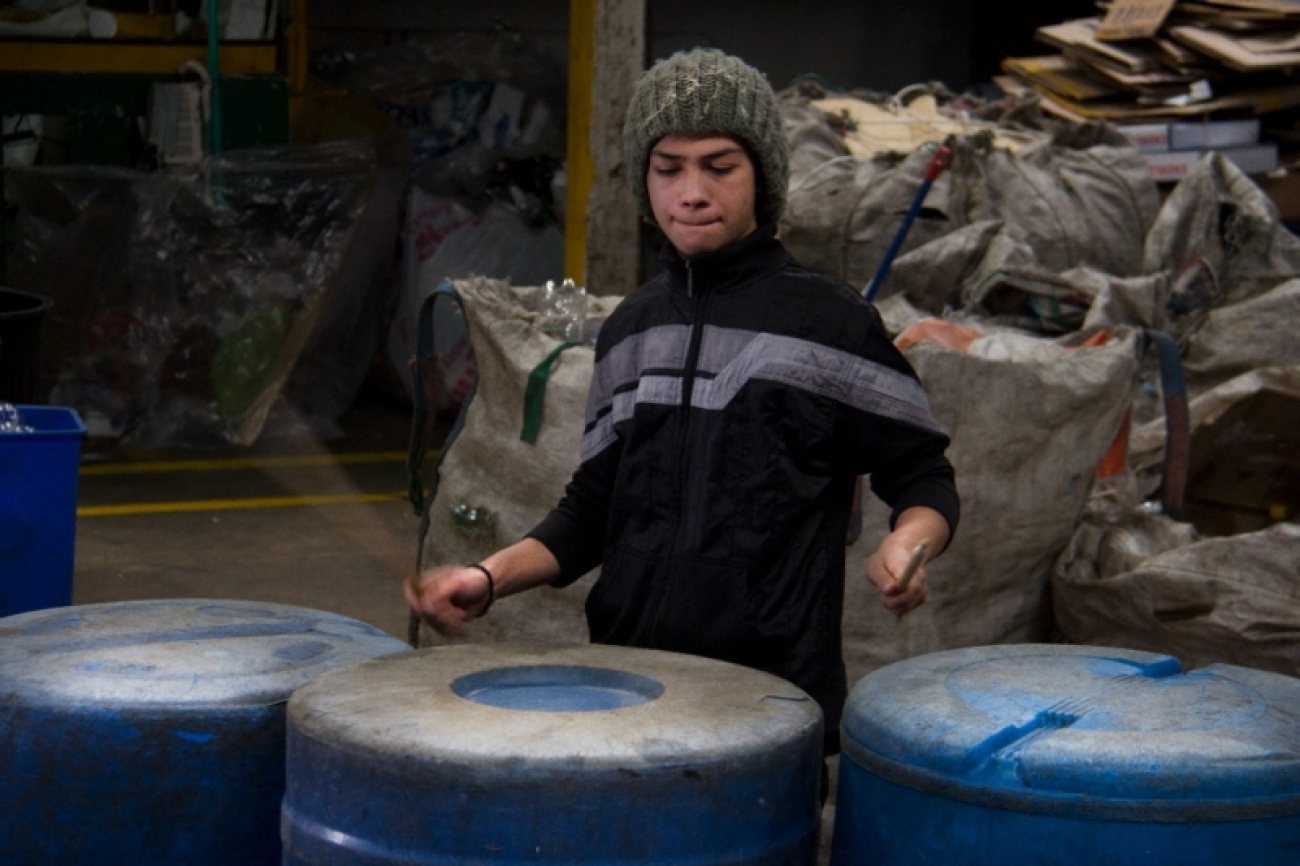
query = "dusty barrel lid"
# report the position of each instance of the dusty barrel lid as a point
(176, 652)
(506, 704)
(1086, 731)
(545, 754)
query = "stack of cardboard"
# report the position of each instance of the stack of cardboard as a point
(1160, 61)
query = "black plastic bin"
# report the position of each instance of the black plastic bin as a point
(21, 316)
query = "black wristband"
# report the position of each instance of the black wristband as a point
(492, 588)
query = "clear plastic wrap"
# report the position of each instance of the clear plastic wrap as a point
(484, 112)
(564, 311)
(11, 420)
(499, 88)
(188, 302)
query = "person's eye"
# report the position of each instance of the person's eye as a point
(665, 170)
(722, 170)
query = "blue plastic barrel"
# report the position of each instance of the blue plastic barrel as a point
(152, 732)
(593, 754)
(1068, 755)
(38, 509)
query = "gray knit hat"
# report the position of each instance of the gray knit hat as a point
(706, 91)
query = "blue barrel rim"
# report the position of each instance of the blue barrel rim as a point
(996, 726)
(1068, 805)
(557, 688)
(48, 656)
(429, 672)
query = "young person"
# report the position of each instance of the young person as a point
(735, 399)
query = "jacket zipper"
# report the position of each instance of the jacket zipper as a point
(683, 431)
(688, 382)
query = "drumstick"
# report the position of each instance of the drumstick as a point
(918, 556)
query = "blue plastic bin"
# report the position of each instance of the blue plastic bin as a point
(38, 509)
(1068, 756)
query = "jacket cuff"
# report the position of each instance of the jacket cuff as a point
(938, 494)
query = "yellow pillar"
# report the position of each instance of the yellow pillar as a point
(582, 40)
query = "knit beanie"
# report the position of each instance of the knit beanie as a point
(706, 91)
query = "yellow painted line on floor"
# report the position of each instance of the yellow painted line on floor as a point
(235, 504)
(227, 463)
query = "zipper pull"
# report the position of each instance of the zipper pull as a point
(690, 280)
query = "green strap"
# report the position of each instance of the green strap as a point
(535, 393)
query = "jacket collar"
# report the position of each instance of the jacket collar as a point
(733, 266)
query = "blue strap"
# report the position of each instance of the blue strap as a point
(426, 392)
(1178, 435)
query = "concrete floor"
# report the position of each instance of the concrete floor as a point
(299, 521)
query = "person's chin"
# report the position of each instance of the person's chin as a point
(694, 241)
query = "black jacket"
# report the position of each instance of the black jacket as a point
(734, 400)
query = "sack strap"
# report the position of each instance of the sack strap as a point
(426, 389)
(1178, 437)
(426, 386)
(535, 392)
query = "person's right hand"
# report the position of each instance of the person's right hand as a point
(448, 597)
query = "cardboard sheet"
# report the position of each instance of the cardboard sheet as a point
(1060, 74)
(1254, 101)
(1231, 52)
(1133, 19)
(1082, 35)
(876, 129)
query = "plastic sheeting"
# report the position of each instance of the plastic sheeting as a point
(190, 302)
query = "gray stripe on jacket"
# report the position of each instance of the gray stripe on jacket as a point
(734, 358)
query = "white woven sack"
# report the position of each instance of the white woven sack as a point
(512, 484)
(1030, 421)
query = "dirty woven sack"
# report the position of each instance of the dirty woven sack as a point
(1141, 582)
(1238, 338)
(494, 487)
(1219, 215)
(1244, 452)
(1030, 421)
(1082, 199)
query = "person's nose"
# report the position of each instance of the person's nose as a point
(694, 191)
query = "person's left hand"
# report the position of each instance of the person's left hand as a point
(886, 566)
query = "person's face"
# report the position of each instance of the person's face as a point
(702, 190)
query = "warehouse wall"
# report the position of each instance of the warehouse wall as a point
(349, 24)
(882, 45)
(877, 44)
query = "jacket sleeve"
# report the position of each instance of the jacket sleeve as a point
(574, 531)
(895, 438)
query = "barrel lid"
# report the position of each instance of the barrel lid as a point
(1089, 721)
(503, 704)
(191, 651)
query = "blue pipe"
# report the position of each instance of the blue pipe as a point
(941, 157)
